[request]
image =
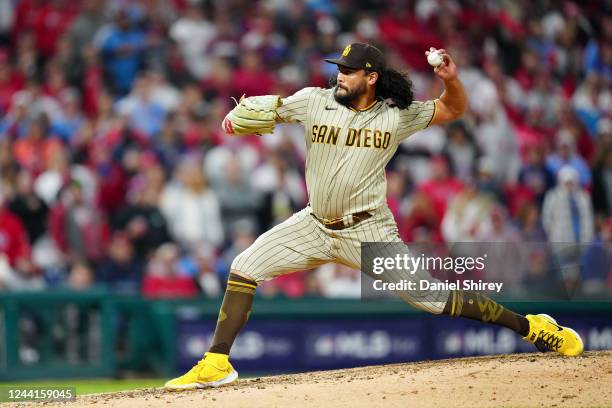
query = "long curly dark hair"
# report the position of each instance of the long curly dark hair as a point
(391, 84)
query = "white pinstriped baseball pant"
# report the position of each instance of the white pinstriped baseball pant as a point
(301, 242)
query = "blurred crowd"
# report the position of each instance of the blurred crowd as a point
(115, 172)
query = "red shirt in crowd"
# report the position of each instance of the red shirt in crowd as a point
(93, 86)
(47, 20)
(32, 154)
(253, 83)
(409, 37)
(169, 287)
(10, 83)
(441, 192)
(13, 237)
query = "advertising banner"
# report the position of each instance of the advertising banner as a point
(302, 345)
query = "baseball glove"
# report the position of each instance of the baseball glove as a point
(252, 115)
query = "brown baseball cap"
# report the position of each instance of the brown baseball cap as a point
(360, 56)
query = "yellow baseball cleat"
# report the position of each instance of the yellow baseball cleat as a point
(547, 335)
(213, 370)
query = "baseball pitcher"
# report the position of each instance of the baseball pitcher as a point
(351, 132)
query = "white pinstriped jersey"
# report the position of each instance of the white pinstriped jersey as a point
(347, 150)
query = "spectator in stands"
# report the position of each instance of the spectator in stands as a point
(7, 17)
(219, 84)
(253, 77)
(72, 119)
(110, 176)
(238, 200)
(123, 50)
(337, 281)
(80, 277)
(602, 183)
(162, 92)
(541, 275)
(225, 43)
(442, 187)
(243, 234)
(461, 150)
(169, 145)
(501, 229)
(67, 63)
(535, 175)
(9, 170)
(78, 228)
(37, 103)
(88, 22)
(406, 33)
(282, 187)
(199, 135)
(92, 83)
(17, 272)
(34, 148)
(493, 133)
(145, 114)
(422, 217)
(566, 155)
(162, 278)
(596, 262)
(49, 22)
(192, 103)
(604, 133)
(485, 179)
(567, 214)
(121, 269)
(199, 264)
(501, 241)
(142, 220)
(193, 32)
(591, 101)
(396, 193)
(14, 124)
(55, 81)
(191, 207)
(58, 171)
(530, 224)
(27, 56)
(29, 207)
(292, 285)
(598, 52)
(25, 278)
(10, 82)
(14, 244)
(468, 216)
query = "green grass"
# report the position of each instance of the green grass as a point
(92, 386)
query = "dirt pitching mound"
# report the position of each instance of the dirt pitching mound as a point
(519, 380)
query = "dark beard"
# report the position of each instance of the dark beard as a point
(349, 97)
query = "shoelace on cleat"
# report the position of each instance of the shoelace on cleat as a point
(548, 341)
(195, 368)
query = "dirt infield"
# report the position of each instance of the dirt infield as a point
(518, 380)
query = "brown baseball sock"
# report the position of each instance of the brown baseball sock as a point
(234, 313)
(476, 306)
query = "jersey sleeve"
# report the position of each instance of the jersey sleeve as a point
(415, 117)
(295, 107)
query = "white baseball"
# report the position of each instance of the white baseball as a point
(434, 59)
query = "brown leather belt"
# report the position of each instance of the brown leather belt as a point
(344, 222)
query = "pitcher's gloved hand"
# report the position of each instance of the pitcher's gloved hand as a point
(252, 115)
